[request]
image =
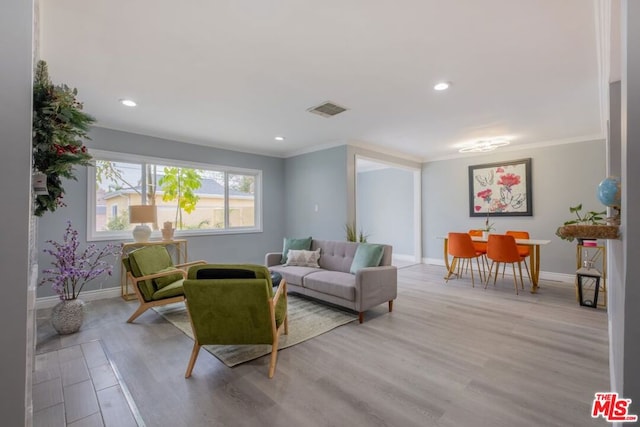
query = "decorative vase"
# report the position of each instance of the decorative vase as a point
(67, 316)
(485, 235)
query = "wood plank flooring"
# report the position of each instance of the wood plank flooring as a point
(448, 355)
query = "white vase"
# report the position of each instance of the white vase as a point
(485, 235)
(67, 316)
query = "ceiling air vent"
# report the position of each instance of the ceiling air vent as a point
(327, 109)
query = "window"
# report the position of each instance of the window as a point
(196, 198)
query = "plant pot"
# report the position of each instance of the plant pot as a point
(485, 235)
(67, 316)
(583, 231)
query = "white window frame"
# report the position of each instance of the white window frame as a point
(93, 235)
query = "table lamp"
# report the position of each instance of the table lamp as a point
(142, 214)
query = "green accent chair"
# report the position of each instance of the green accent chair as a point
(155, 279)
(235, 304)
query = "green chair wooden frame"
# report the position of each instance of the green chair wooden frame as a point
(155, 279)
(235, 304)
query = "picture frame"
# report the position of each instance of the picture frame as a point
(500, 189)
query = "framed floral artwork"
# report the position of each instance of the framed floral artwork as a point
(500, 189)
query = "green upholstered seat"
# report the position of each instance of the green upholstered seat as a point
(155, 279)
(231, 304)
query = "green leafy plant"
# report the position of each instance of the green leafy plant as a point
(59, 128)
(488, 226)
(581, 219)
(353, 235)
(180, 184)
(591, 217)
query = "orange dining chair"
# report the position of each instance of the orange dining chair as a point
(460, 246)
(503, 248)
(480, 247)
(523, 250)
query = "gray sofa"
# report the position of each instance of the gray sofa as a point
(333, 283)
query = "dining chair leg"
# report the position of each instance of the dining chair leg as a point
(471, 268)
(515, 278)
(486, 282)
(527, 268)
(496, 275)
(521, 280)
(452, 267)
(480, 272)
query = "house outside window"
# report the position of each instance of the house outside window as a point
(196, 198)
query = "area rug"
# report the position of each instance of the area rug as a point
(307, 319)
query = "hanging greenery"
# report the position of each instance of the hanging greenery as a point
(59, 129)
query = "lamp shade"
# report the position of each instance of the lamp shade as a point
(139, 214)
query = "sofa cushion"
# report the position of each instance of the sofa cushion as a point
(296, 244)
(367, 255)
(163, 281)
(303, 258)
(336, 255)
(172, 290)
(292, 274)
(336, 283)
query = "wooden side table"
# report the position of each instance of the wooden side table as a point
(177, 249)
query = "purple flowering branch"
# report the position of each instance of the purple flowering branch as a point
(72, 270)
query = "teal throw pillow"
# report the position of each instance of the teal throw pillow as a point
(163, 281)
(367, 255)
(295, 244)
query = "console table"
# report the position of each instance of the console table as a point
(177, 249)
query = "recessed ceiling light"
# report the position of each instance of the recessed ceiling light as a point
(442, 86)
(279, 138)
(128, 102)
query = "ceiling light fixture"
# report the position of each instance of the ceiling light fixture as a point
(484, 146)
(128, 102)
(442, 86)
(279, 138)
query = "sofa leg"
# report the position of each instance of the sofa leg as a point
(390, 306)
(361, 317)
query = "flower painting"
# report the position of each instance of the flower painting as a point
(500, 189)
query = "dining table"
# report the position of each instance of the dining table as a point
(534, 255)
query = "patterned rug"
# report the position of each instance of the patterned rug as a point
(307, 319)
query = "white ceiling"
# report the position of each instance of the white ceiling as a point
(235, 74)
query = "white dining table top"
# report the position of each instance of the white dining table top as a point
(525, 242)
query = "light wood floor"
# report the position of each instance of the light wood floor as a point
(448, 355)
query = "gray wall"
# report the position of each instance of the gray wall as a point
(562, 176)
(248, 247)
(16, 23)
(316, 179)
(630, 205)
(384, 207)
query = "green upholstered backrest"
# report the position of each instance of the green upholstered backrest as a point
(147, 260)
(217, 271)
(232, 311)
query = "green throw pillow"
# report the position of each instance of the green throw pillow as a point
(163, 281)
(296, 244)
(367, 255)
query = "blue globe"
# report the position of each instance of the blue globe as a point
(609, 191)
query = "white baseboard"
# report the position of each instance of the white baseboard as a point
(47, 302)
(544, 275)
(404, 257)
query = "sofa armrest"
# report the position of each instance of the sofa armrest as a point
(272, 258)
(375, 285)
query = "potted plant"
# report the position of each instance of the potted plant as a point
(488, 228)
(353, 236)
(59, 128)
(590, 225)
(72, 270)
